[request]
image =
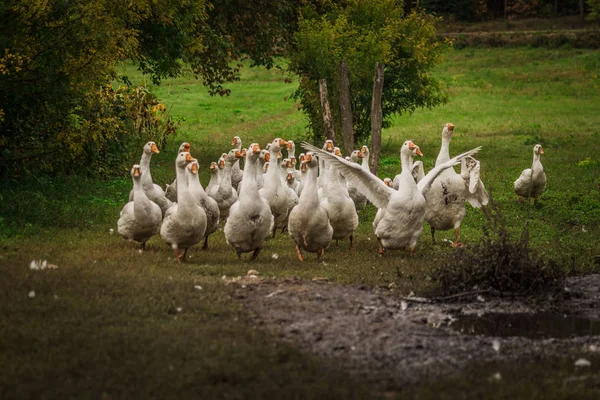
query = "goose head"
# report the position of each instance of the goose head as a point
(337, 151)
(230, 157)
(136, 172)
(310, 160)
(291, 148)
(185, 146)
(293, 161)
(265, 155)
(537, 150)
(236, 142)
(150, 148)
(290, 177)
(221, 163)
(240, 153)
(277, 145)
(183, 159)
(288, 163)
(365, 151)
(193, 167)
(303, 167)
(253, 153)
(214, 169)
(356, 155)
(388, 181)
(448, 131)
(328, 146)
(301, 157)
(410, 148)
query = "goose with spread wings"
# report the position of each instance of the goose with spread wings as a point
(401, 221)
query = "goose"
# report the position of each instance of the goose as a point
(152, 190)
(366, 158)
(214, 177)
(417, 172)
(303, 172)
(225, 194)
(308, 223)
(450, 191)
(380, 211)
(184, 224)
(250, 220)
(401, 220)
(171, 190)
(141, 218)
(263, 158)
(360, 200)
(236, 172)
(340, 208)
(291, 149)
(208, 204)
(281, 198)
(532, 181)
(328, 147)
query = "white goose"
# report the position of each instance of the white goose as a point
(185, 221)
(339, 206)
(152, 190)
(236, 171)
(366, 158)
(532, 181)
(208, 204)
(141, 218)
(401, 221)
(214, 177)
(225, 194)
(360, 200)
(449, 192)
(308, 224)
(171, 190)
(250, 220)
(278, 195)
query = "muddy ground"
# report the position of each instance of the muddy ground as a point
(381, 336)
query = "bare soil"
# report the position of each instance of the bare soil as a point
(381, 337)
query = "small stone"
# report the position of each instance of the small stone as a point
(403, 305)
(392, 285)
(197, 287)
(140, 251)
(252, 272)
(179, 309)
(582, 362)
(111, 231)
(32, 294)
(497, 376)
(275, 256)
(480, 299)
(593, 348)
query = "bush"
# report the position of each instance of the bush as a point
(499, 263)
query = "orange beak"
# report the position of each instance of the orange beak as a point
(234, 141)
(136, 172)
(256, 149)
(154, 148)
(186, 147)
(361, 155)
(541, 150)
(238, 154)
(189, 158)
(221, 164)
(364, 149)
(303, 167)
(267, 157)
(289, 145)
(293, 161)
(329, 146)
(194, 168)
(338, 153)
(450, 127)
(307, 158)
(282, 142)
(213, 165)
(244, 152)
(289, 176)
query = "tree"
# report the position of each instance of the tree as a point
(361, 34)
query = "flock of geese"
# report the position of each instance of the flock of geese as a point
(316, 199)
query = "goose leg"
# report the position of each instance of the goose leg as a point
(320, 252)
(176, 252)
(205, 247)
(380, 249)
(412, 251)
(457, 242)
(143, 245)
(432, 235)
(274, 232)
(239, 254)
(255, 253)
(520, 199)
(299, 253)
(351, 240)
(182, 256)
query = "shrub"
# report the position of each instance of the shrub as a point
(499, 263)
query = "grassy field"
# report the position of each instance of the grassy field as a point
(106, 322)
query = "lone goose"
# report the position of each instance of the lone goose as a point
(449, 192)
(171, 190)
(184, 224)
(308, 224)
(141, 218)
(152, 190)
(236, 171)
(208, 204)
(250, 220)
(275, 191)
(532, 181)
(401, 221)
(225, 194)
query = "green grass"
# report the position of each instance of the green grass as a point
(112, 332)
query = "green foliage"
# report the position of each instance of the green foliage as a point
(363, 34)
(499, 263)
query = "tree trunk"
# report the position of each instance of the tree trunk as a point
(346, 109)
(327, 121)
(376, 117)
(581, 11)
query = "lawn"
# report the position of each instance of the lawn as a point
(111, 321)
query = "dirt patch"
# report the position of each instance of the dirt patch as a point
(378, 336)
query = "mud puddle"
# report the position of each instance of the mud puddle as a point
(534, 326)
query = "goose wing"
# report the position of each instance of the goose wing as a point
(367, 183)
(425, 184)
(470, 170)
